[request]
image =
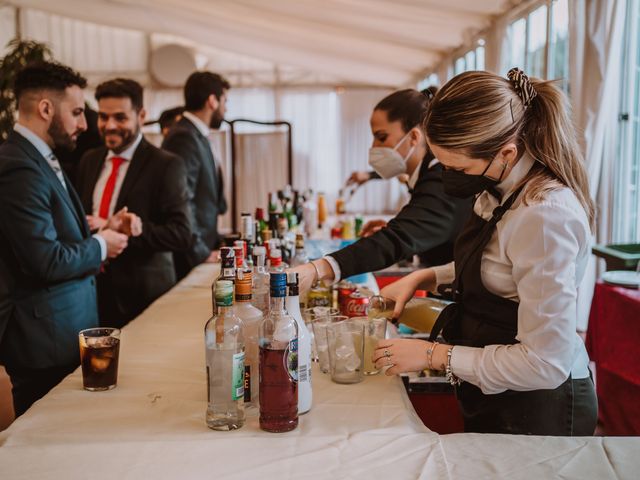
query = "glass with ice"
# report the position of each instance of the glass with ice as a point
(99, 351)
(374, 331)
(346, 351)
(324, 316)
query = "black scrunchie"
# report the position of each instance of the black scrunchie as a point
(522, 85)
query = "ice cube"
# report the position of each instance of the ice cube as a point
(100, 364)
(352, 362)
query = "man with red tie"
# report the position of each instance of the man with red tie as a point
(130, 176)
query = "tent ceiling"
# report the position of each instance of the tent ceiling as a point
(364, 42)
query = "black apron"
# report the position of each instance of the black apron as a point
(479, 318)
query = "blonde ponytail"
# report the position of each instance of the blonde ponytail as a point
(477, 113)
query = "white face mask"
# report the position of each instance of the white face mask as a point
(387, 162)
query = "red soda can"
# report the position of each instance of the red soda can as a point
(356, 305)
(239, 253)
(345, 289)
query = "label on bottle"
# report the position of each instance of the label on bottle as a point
(291, 359)
(237, 376)
(247, 383)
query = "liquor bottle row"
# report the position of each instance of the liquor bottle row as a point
(258, 349)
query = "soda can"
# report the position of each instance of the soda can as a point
(359, 223)
(356, 305)
(345, 289)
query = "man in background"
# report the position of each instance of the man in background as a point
(129, 174)
(205, 96)
(48, 257)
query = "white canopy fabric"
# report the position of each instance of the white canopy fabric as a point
(350, 42)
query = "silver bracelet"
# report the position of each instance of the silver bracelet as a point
(451, 378)
(430, 351)
(315, 267)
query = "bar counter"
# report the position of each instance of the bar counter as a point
(152, 425)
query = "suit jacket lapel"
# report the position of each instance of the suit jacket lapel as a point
(138, 161)
(34, 154)
(75, 199)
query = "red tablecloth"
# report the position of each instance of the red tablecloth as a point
(613, 342)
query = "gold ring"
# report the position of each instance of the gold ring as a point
(387, 353)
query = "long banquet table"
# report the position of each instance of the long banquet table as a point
(152, 425)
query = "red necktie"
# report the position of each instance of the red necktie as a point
(109, 187)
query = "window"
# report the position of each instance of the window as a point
(559, 43)
(428, 81)
(626, 203)
(471, 60)
(538, 42)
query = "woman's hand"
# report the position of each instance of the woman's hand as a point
(307, 274)
(372, 226)
(409, 355)
(402, 354)
(400, 291)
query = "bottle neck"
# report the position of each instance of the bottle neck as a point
(225, 311)
(277, 303)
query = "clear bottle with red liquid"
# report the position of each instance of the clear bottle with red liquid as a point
(278, 363)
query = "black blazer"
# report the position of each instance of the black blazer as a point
(154, 188)
(428, 225)
(47, 262)
(206, 192)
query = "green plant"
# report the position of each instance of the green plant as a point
(21, 53)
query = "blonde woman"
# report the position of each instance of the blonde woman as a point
(511, 348)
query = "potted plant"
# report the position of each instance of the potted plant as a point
(21, 52)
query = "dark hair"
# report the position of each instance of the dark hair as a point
(46, 76)
(201, 85)
(168, 117)
(409, 106)
(121, 88)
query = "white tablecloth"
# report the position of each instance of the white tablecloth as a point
(152, 425)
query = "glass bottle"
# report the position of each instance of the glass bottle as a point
(260, 290)
(300, 258)
(251, 319)
(292, 304)
(224, 350)
(278, 363)
(227, 271)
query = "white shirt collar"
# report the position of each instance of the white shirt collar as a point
(202, 127)
(413, 179)
(35, 140)
(127, 154)
(518, 172)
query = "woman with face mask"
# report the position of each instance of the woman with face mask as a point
(427, 225)
(510, 343)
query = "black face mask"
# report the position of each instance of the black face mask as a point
(464, 185)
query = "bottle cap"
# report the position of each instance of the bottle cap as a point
(224, 293)
(292, 278)
(278, 279)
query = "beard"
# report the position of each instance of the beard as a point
(216, 120)
(127, 137)
(61, 138)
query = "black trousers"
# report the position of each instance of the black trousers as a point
(569, 410)
(31, 384)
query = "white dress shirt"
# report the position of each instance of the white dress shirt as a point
(47, 153)
(127, 155)
(537, 257)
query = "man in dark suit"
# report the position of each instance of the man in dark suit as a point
(130, 173)
(205, 95)
(48, 258)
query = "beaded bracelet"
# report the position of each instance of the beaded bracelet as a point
(451, 378)
(430, 351)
